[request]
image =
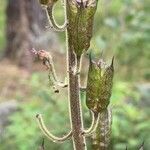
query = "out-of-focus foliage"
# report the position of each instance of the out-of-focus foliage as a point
(2, 24)
(23, 133)
(122, 28)
(130, 119)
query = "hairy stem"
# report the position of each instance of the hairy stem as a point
(101, 137)
(74, 93)
(52, 22)
(75, 106)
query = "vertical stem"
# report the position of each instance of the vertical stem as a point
(101, 137)
(74, 93)
(75, 105)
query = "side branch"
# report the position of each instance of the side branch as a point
(48, 62)
(48, 134)
(92, 128)
(51, 20)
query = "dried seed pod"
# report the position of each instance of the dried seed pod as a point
(93, 84)
(105, 88)
(80, 18)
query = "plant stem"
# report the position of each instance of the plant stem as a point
(101, 137)
(75, 106)
(74, 92)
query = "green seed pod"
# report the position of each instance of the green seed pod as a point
(99, 86)
(105, 88)
(93, 82)
(80, 18)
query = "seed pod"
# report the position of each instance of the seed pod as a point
(80, 18)
(99, 86)
(105, 88)
(93, 83)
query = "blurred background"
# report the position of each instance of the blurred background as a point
(121, 29)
